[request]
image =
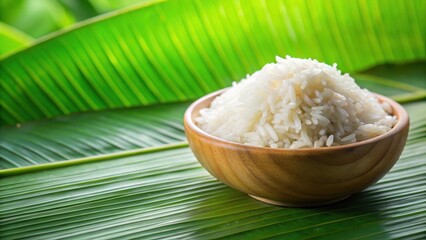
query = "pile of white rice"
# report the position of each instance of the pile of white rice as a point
(296, 103)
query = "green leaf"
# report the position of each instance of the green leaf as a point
(12, 39)
(35, 18)
(129, 175)
(403, 82)
(89, 134)
(164, 193)
(171, 51)
(103, 6)
(81, 10)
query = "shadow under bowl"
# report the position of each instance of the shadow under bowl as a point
(300, 177)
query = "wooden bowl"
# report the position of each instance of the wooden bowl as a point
(301, 177)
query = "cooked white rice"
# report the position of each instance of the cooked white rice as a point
(296, 103)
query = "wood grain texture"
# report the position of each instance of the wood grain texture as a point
(302, 177)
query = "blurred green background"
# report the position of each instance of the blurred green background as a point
(40, 17)
(92, 144)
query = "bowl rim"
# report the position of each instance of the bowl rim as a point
(398, 111)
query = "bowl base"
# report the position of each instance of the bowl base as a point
(295, 204)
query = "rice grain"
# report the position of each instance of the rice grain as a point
(296, 103)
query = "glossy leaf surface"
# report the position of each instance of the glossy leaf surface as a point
(180, 50)
(122, 168)
(165, 193)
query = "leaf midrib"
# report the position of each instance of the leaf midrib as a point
(96, 158)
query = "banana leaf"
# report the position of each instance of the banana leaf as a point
(92, 144)
(35, 18)
(12, 39)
